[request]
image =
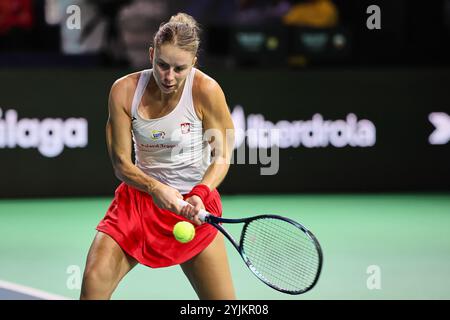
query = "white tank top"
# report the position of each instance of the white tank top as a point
(171, 148)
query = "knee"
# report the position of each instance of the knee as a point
(98, 283)
(97, 275)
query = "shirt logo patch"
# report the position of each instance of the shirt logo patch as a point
(157, 135)
(185, 127)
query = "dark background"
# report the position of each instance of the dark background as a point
(398, 102)
(394, 77)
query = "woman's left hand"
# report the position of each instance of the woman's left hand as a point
(191, 212)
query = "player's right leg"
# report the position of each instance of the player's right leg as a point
(106, 265)
(209, 272)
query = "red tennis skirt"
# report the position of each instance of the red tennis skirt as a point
(144, 231)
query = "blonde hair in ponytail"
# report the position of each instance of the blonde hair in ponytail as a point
(182, 31)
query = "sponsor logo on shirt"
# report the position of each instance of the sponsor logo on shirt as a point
(185, 127)
(157, 135)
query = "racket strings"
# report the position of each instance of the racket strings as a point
(281, 253)
(260, 258)
(287, 250)
(270, 261)
(292, 237)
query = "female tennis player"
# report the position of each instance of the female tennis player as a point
(164, 113)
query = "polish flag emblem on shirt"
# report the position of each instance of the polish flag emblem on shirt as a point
(185, 127)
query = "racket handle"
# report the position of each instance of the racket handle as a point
(201, 215)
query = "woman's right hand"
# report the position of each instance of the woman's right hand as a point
(166, 197)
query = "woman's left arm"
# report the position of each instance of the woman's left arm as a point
(218, 130)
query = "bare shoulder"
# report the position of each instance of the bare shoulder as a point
(127, 82)
(122, 91)
(206, 92)
(204, 84)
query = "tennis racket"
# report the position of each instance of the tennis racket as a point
(279, 251)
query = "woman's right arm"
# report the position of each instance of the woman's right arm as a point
(119, 143)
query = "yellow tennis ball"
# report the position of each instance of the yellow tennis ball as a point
(184, 231)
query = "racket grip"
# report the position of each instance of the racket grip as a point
(201, 215)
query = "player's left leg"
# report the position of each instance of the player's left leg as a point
(209, 272)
